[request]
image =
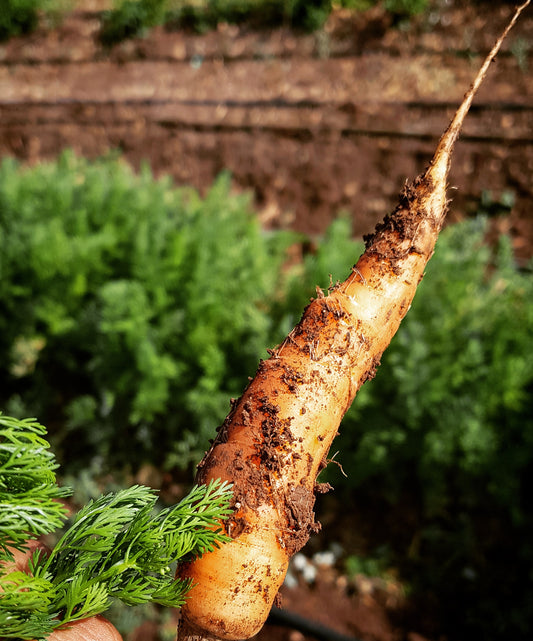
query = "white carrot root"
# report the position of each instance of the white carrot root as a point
(277, 436)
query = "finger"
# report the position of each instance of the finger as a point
(21, 558)
(93, 629)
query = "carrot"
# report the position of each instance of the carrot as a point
(277, 435)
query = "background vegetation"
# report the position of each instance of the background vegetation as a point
(132, 18)
(18, 17)
(132, 311)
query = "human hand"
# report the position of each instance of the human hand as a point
(95, 628)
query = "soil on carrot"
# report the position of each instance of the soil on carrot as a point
(311, 125)
(250, 467)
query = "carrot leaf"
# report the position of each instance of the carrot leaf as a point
(119, 546)
(28, 491)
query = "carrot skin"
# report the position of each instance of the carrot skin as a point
(242, 581)
(277, 436)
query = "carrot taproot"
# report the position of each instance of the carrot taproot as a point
(277, 435)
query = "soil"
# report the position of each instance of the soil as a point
(311, 125)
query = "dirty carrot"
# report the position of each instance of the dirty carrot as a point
(276, 437)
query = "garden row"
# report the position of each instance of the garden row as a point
(132, 311)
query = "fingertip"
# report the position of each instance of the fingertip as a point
(93, 629)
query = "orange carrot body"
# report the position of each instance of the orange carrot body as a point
(276, 438)
(278, 434)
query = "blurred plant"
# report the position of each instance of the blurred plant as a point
(403, 8)
(18, 17)
(130, 19)
(135, 18)
(371, 566)
(490, 206)
(132, 311)
(520, 48)
(298, 14)
(54, 11)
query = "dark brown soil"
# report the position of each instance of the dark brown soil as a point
(312, 125)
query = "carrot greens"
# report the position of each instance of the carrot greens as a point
(28, 490)
(118, 546)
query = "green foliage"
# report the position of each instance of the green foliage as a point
(117, 547)
(357, 5)
(403, 8)
(491, 207)
(374, 566)
(132, 310)
(28, 490)
(18, 17)
(131, 18)
(135, 18)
